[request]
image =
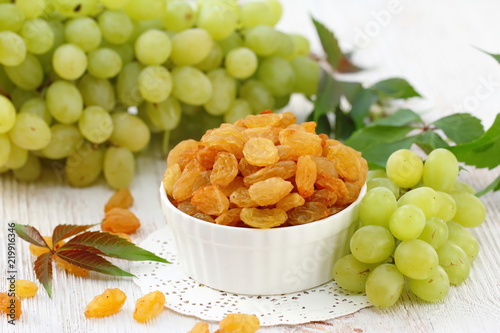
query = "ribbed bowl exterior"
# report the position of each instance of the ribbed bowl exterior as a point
(260, 262)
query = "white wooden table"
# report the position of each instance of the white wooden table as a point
(431, 44)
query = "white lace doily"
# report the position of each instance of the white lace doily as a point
(189, 297)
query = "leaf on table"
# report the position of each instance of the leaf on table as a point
(113, 246)
(483, 152)
(460, 127)
(377, 154)
(401, 117)
(366, 137)
(43, 271)
(31, 235)
(329, 42)
(344, 125)
(493, 186)
(430, 140)
(63, 231)
(361, 104)
(395, 88)
(327, 96)
(494, 56)
(91, 261)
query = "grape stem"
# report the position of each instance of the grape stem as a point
(6, 94)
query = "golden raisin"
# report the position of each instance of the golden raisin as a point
(230, 217)
(210, 200)
(203, 179)
(171, 175)
(200, 328)
(120, 220)
(105, 304)
(347, 162)
(261, 120)
(239, 323)
(266, 132)
(179, 149)
(206, 156)
(70, 268)
(260, 152)
(241, 198)
(263, 218)
(287, 119)
(225, 169)
(246, 169)
(305, 176)
(25, 288)
(290, 201)
(183, 187)
(149, 306)
(10, 305)
(309, 212)
(303, 143)
(204, 217)
(269, 191)
(120, 199)
(326, 197)
(232, 186)
(351, 196)
(227, 137)
(283, 169)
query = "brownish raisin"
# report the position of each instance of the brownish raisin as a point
(120, 220)
(351, 196)
(265, 218)
(305, 176)
(206, 157)
(269, 191)
(232, 186)
(326, 197)
(225, 169)
(120, 199)
(204, 217)
(10, 305)
(187, 207)
(210, 200)
(179, 149)
(106, 304)
(203, 179)
(309, 212)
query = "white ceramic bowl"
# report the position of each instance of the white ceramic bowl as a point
(260, 262)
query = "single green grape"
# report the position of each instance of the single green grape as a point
(144, 10)
(218, 21)
(97, 92)
(416, 259)
(127, 87)
(84, 165)
(383, 182)
(440, 170)
(104, 63)
(404, 168)
(463, 238)
(371, 244)
(5, 147)
(95, 124)
(301, 46)
(37, 35)
(64, 102)
(447, 206)
(351, 274)
(213, 60)
(435, 232)
(471, 211)
(262, 39)
(84, 32)
(31, 8)
(69, 61)
(154, 47)
(165, 115)
(241, 62)
(191, 86)
(223, 92)
(178, 15)
(454, 261)
(63, 142)
(407, 222)
(30, 132)
(116, 27)
(30, 171)
(191, 46)
(377, 206)
(384, 285)
(257, 95)
(424, 197)
(307, 72)
(238, 110)
(37, 107)
(7, 114)
(155, 83)
(11, 17)
(129, 131)
(277, 75)
(119, 167)
(434, 288)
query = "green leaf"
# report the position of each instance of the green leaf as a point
(327, 97)
(460, 127)
(378, 153)
(395, 88)
(401, 117)
(64, 231)
(91, 261)
(495, 56)
(112, 246)
(349, 89)
(344, 126)
(329, 43)
(323, 124)
(367, 137)
(31, 235)
(429, 141)
(494, 186)
(483, 152)
(43, 271)
(361, 104)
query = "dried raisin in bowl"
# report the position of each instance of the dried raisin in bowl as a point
(260, 261)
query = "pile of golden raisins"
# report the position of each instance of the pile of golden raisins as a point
(263, 171)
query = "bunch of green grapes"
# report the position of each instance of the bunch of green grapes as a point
(84, 83)
(414, 224)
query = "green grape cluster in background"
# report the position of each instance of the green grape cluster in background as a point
(414, 224)
(85, 83)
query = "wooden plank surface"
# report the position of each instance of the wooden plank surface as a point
(428, 42)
